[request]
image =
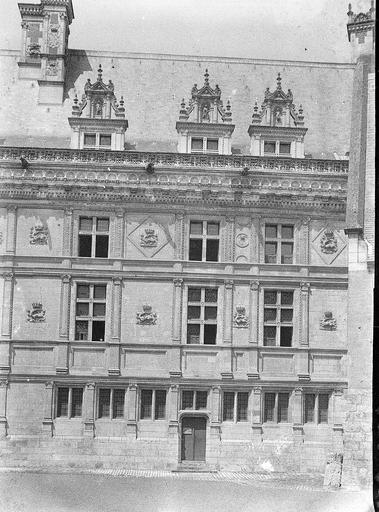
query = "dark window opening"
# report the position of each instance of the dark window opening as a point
(62, 402)
(228, 408)
(196, 249)
(101, 250)
(105, 140)
(196, 144)
(104, 403)
(269, 407)
(160, 404)
(242, 405)
(285, 336)
(146, 403)
(284, 148)
(76, 402)
(210, 333)
(201, 400)
(269, 147)
(212, 250)
(85, 246)
(283, 399)
(90, 139)
(212, 144)
(98, 330)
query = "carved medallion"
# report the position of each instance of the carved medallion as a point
(147, 317)
(33, 49)
(242, 240)
(149, 238)
(240, 319)
(328, 323)
(52, 68)
(36, 314)
(39, 235)
(328, 242)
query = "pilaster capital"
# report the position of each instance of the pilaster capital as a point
(133, 386)
(305, 221)
(338, 392)
(298, 391)
(229, 283)
(179, 215)
(4, 383)
(229, 218)
(257, 390)
(120, 213)
(216, 389)
(305, 287)
(66, 278)
(11, 208)
(69, 211)
(117, 281)
(90, 385)
(49, 384)
(24, 25)
(8, 276)
(178, 282)
(254, 286)
(174, 388)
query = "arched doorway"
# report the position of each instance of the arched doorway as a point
(194, 435)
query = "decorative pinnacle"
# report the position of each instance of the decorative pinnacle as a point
(183, 104)
(279, 79)
(76, 99)
(255, 108)
(122, 101)
(100, 72)
(228, 107)
(206, 77)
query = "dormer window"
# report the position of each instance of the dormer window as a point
(275, 148)
(98, 121)
(204, 125)
(204, 145)
(97, 141)
(277, 129)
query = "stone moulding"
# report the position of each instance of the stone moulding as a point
(177, 160)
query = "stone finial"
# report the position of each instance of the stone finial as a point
(100, 73)
(206, 77)
(279, 84)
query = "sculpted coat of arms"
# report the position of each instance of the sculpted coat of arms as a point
(38, 235)
(36, 314)
(147, 317)
(149, 238)
(328, 243)
(240, 318)
(328, 323)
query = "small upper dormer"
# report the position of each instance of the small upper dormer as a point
(205, 126)
(361, 31)
(277, 129)
(98, 120)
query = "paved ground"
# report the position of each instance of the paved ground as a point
(153, 491)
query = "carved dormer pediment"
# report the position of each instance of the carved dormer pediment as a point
(205, 124)
(277, 128)
(278, 109)
(98, 117)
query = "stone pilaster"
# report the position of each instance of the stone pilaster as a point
(47, 422)
(304, 314)
(215, 423)
(89, 409)
(179, 236)
(304, 242)
(118, 245)
(253, 330)
(3, 407)
(173, 400)
(175, 353)
(297, 415)
(228, 311)
(114, 347)
(131, 425)
(11, 229)
(67, 232)
(64, 324)
(228, 242)
(6, 328)
(255, 406)
(337, 420)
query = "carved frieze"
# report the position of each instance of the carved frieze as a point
(328, 322)
(240, 318)
(36, 314)
(147, 317)
(39, 234)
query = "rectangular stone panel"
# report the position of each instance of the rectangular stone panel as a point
(277, 364)
(144, 361)
(326, 364)
(33, 356)
(88, 357)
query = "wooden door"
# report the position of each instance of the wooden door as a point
(193, 438)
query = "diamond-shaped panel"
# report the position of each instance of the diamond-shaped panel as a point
(328, 244)
(149, 237)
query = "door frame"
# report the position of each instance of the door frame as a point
(192, 414)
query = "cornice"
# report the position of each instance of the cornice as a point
(124, 159)
(97, 123)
